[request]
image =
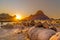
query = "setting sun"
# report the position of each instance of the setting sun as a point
(18, 17)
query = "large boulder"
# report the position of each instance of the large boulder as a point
(56, 36)
(40, 33)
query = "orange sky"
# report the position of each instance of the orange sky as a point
(27, 7)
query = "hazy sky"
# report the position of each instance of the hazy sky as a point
(26, 7)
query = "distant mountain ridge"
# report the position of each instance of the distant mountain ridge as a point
(39, 15)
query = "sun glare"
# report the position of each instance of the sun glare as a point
(18, 17)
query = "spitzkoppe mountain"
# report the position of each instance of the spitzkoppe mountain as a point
(39, 15)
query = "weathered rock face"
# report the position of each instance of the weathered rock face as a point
(56, 36)
(45, 34)
(12, 34)
(40, 33)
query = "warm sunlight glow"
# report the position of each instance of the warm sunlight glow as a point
(18, 17)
